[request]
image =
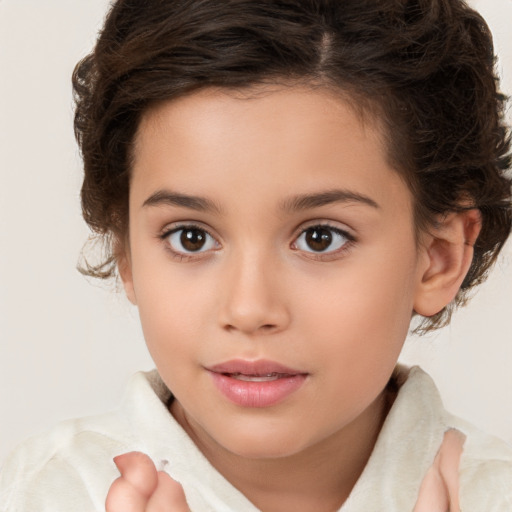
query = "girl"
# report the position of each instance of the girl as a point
(283, 186)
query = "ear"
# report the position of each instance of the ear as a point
(448, 252)
(124, 266)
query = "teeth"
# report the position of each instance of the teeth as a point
(257, 378)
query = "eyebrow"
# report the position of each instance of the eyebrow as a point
(295, 203)
(169, 198)
(307, 201)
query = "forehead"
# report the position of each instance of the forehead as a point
(261, 139)
(262, 108)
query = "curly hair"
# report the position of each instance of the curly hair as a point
(425, 68)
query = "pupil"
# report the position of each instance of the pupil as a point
(318, 239)
(192, 239)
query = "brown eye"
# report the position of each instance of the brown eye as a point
(318, 239)
(190, 240)
(321, 239)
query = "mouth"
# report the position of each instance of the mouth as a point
(259, 383)
(269, 377)
(262, 368)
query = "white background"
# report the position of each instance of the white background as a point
(68, 347)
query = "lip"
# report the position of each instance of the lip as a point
(256, 394)
(258, 367)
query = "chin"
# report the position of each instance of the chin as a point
(274, 445)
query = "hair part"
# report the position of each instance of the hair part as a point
(423, 68)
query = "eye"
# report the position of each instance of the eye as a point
(321, 239)
(190, 239)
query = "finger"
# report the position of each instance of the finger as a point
(450, 455)
(168, 496)
(433, 496)
(123, 497)
(138, 470)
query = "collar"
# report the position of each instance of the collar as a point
(406, 446)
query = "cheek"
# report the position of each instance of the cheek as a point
(174, 309)
(363, 311)
(360, 295)
(168, 315)
(355, 332)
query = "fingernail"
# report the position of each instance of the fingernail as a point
(117, 460)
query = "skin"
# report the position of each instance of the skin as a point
(141, 488)
(439, 490)
(257, 290)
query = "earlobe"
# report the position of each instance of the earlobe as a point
(448, 252)
(124, 267)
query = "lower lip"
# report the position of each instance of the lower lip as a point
(257, 394)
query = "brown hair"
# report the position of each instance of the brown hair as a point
(425, 67)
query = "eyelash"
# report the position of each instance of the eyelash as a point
(316, 255)
(183, 256)
(326, 255)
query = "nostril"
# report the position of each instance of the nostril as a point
(261, 328)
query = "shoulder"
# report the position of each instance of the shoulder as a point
(71, 467)
(72, 462)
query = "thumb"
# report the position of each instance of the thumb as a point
(139, 471)
(168, 497)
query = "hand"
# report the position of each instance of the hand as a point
(439, 491)
(141, 488)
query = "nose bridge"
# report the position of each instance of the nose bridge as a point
(254, 299)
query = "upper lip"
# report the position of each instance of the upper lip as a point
(256, 368)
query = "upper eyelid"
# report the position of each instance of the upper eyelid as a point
(172, 228)
(327, 256)
(185, 255)
(177, 226)
(343, 229)
(343, 233)
(304, 226)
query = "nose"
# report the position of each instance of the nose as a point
(254, 296)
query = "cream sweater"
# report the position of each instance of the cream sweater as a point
(71, 468)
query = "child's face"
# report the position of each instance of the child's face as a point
(270, 229)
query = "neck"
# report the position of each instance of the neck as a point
(319, 478)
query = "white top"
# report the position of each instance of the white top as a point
(71, 468)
